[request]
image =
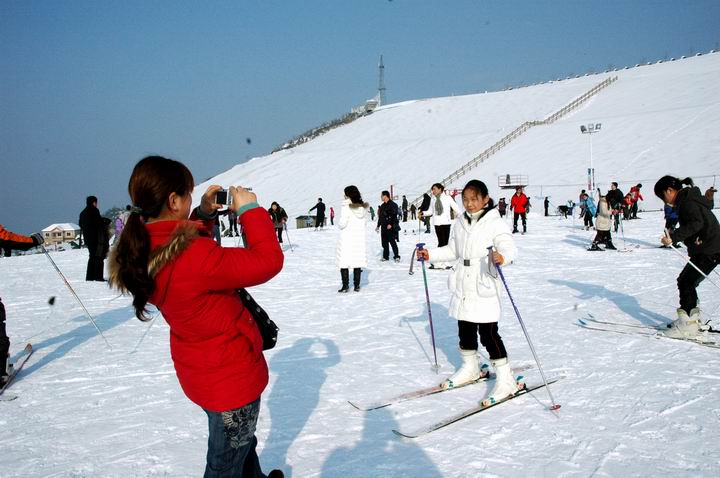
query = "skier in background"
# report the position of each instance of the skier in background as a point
(413, 212)
(588, 205)
(547, 205)
(372, 214)
(350, 252)
(440, 212)
(700, 231)
(635, 196)
(279, 218)
(404, 207)
(11, 241)
(602, 226)
(519, 204)
(319, 214)
(502, 207)
(475, 299)
(97, 238)
(387, 225)
(615, 199)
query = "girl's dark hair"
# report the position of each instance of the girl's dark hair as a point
(480, 189)
(439, 186)
(353, 194)
(152, 181)
(274, 203)
(666, 182)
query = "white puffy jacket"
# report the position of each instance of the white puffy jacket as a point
(350, 252)
(475, 292)
(443, 219)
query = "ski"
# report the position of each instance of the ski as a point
(656, 333)
(424, 392)
(470, 412)
(19, 364)
(412, 262)
(659, 328)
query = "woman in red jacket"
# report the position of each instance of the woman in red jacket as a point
(169, 261)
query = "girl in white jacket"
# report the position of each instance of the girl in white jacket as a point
(475, 287)
(350, 252)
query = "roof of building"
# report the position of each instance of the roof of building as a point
(65, 226)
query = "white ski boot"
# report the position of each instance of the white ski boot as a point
(505, 383)
(468, 372)
(685, 327)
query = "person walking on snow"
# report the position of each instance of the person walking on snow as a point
(97, 238)
(404, 207)
(615, 200)
(319, 214)
(439, 212)
(602, 226)
(546, 203)
(387, 225)
(700, 231)
(502, 207)
(332, 216)
(475, 288)
(350, 252)
(166, 257)
(11, 241)
(519, 204)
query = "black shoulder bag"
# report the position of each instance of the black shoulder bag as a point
(268, 329)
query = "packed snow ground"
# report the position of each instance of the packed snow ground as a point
(631, 406)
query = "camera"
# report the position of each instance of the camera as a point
(222, 197)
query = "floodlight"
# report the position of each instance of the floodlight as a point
(598, 126)
(583, 129)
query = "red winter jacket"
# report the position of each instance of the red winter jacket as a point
(214, 342)
(519, 203)
(635, 194)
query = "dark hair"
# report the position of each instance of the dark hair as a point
(127, 208)
(439, 186)
(385, 193)
(353, 194)
(614, 184)
(666, 182)
(152, 181)
(90, 200)
(480, 189)
(320, 199)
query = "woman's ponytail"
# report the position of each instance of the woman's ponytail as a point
(670, 182)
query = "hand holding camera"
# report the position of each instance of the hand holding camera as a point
(241, 196)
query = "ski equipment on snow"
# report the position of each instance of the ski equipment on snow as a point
(640, 331)
(555, 406)
(423, 392)
(473, 410)
(419, 247)
(19, 364)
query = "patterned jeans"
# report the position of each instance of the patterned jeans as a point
(232, 442)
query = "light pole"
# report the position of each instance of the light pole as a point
(591, 129)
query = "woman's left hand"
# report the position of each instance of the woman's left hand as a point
(666, 241)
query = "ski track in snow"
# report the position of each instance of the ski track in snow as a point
(631, 406)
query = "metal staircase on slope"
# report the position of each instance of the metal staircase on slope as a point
(519, 131)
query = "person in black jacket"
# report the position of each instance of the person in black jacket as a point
(700, 231)
(279, 218)
(319, 214)
(97, 239)
(424, 206)
(615, 199)
(388, 226)
(10, 241)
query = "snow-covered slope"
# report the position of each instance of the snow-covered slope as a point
(631, 406)
(656, 119)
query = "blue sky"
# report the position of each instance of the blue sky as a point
(87, 88)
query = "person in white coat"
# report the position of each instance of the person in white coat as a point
(439, 212)
(475, 288)
(350, 252)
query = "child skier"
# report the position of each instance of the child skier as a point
(700, 231)
(475, 286)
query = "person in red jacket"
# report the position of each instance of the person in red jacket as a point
(635, 196)
(166, 260)
(519, 204)
(8, 242)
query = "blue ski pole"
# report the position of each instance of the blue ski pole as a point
(419, 247)
(555, 406)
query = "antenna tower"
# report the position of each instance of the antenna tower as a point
(381, 82)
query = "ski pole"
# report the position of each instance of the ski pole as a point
(288, 236)
(152, 321)
(419, 247)
(687, 259)
(555, 406)
(74, 294)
